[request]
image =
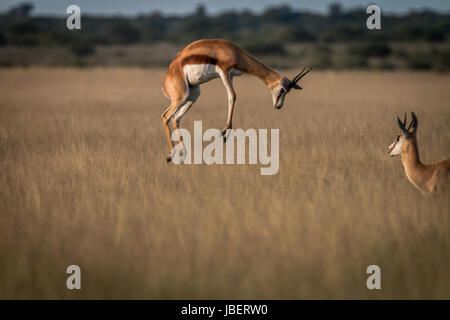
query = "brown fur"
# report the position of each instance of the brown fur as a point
(222, 53)
(219, 52)
(428, 178)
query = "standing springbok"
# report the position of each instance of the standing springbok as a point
(426, 177)
(204, 60)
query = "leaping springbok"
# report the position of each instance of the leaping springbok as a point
(426, 177)
(204, 60)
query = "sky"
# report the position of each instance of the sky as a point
(134, 7)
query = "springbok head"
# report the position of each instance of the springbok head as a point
(284, 86)
(406, 134)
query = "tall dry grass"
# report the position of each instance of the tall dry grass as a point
(83, 180)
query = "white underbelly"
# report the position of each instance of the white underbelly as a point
(201, 73)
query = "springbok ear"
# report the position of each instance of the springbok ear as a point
(296, 86)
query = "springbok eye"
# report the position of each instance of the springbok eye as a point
(282, 90)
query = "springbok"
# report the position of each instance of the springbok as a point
(204, 60)
(426, 177)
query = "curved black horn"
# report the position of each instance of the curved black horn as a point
(404, 120)
(295, 78)
(402, 126)
(301, 75)
(413, 123)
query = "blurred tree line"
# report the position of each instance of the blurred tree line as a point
(268, 33)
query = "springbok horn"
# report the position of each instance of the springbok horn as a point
(302, 74)
(404, 120)
(413, 123)
(402, 127)
(295, 78)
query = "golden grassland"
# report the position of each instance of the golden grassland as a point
(83, 180)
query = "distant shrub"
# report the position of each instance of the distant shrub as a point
(266, 49)
(343, 33)
(400, 53)
(79, 63)
(2, 38)
(24, 40)
(124, 33)
(23, 26)
(416, 32)
(23, 32)
(21, 10)
(7, 63)
(296, 35)
(434, 35)
(442, 61)
(419, 61)
(347, 61)
(82, 48)
(371, 49)
(63, 37)
(381, 64)
(322, 57)
(386, 65)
